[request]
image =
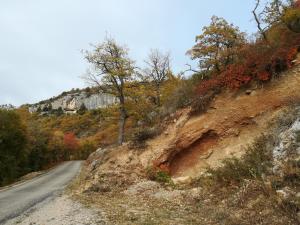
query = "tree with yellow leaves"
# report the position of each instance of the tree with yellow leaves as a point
(157, 71)
(111, 71)
(216, 47)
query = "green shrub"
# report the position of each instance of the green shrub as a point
(140, 137)
(298, 136)
(181, 97)
(255, 163)
(82, 110)
(159, 176)
(200, 104)
(291, 173)
(292, 18)
(13, 143)
(163, 177)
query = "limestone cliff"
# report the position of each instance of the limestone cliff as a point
(72, 101)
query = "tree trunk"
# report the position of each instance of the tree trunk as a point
(158, 95)
(122, 120)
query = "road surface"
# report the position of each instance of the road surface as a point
(19, 198)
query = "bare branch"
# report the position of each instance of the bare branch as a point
(158, 69)
(256, 17)
(190, 69)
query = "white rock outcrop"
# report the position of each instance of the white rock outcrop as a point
(73, 101)
(288, 145)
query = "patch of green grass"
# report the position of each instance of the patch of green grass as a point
(163, 177)
(159, 176)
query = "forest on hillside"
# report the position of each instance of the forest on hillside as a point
(228, 59)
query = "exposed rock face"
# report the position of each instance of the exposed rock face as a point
(73, 101)
(289, 146)
(191, 144)
(231, 123)
(7, 107)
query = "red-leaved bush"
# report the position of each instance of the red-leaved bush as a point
(235, 76)
(297, 4)
(258, 61)
(209, 85)
(71, 141)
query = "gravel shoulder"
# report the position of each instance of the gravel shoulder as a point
(59, 210)
(42, 201)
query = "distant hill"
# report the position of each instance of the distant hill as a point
(71, 101)
(7, 106)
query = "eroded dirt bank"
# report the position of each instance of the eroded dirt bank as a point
(191, 144)
(116, 179)
(234, 120)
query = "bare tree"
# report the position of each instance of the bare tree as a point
(270, 14)
(258, 22)
(111, 70)
(157, 71)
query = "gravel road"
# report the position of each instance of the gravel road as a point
(60, 210)
(20, 198)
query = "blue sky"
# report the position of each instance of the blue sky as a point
(41, 41)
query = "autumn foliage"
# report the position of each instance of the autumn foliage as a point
(70, 141)
(257, 62)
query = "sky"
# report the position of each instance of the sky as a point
(41, 40)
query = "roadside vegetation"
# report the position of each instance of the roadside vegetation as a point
(249, 190)
(28, 143)
(227, 60)
(244, 190)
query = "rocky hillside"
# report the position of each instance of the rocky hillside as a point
(192, 143)
(7, 107)
(180, 156)
(73, 100)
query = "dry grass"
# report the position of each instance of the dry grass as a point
(254, 164)
(249, 191)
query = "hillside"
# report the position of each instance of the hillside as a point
(185, 149)
(232, 122)
(71, 101)
(216, 143)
